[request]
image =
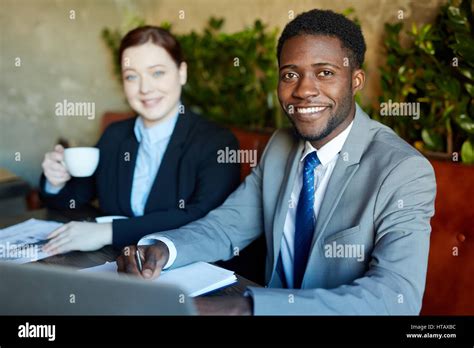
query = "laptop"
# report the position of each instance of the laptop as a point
(35, 289)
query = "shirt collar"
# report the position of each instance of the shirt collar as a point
(156, 133)
(330, 150)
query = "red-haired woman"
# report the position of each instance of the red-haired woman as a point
(160, 168)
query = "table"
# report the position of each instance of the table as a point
(79, 259)
(13, 192)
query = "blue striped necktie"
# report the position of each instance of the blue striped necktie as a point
(305, 222)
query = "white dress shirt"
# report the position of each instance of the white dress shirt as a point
(153, 143)
(327, 155)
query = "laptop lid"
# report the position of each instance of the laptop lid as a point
(35, 289)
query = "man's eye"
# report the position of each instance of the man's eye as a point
(130, 77)
(326, 73)
(289, 76)
(158, 73)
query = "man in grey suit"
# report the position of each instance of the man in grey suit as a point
(344, 203)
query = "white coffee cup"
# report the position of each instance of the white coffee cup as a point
(81, 161)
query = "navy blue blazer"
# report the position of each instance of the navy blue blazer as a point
(189, 183)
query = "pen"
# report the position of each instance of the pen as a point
(139, 260)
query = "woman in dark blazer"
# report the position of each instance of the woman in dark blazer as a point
(160, 169)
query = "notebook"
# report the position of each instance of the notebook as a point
(195, 279)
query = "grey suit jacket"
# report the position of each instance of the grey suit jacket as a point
(379, 201)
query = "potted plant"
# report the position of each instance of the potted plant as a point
(435, 68)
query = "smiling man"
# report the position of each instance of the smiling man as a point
(316, 89)
(344, 203)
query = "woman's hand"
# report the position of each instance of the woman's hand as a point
(83, 236)
(53, 167)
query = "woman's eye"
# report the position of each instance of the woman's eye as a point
(326, 73)
(158, 73)
(130, 77)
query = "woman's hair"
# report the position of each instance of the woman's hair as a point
(156, 35)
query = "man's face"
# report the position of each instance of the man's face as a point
(316, 86)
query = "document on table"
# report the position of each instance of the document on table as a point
(195, 279)
(22, 243)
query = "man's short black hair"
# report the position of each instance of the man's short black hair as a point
(327, 23)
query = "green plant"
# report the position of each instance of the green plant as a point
(112, 38)
(232, 78)
(435, 69)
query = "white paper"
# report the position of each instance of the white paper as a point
(23, 242)
(194, 279)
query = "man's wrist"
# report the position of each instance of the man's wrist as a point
(165, 250)
(171, 249)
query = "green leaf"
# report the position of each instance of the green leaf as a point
(455, 15)
(469, 88)
(467, 152)
(425, 30)
(348, 11)
(166, 25)
(468, 73)
(432, 140)
(429, 48)
(464, 47)
(391, 59)
(465, 122)
(448, 110)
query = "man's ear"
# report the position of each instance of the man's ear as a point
(358, 80)
(183, 73)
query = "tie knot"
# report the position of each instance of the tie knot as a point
(311, 161)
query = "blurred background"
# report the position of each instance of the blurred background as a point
(64, 56)
(417, 51)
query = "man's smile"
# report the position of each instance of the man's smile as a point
(311, 109)
(308, 113)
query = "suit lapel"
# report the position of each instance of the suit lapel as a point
(338, 183)
(346, 166)
(284, 199)
(126, 165)
(173, 153)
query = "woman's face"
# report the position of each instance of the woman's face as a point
(152, 82)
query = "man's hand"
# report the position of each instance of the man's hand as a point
(226, 305)
(154, 258)
(83, 236)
